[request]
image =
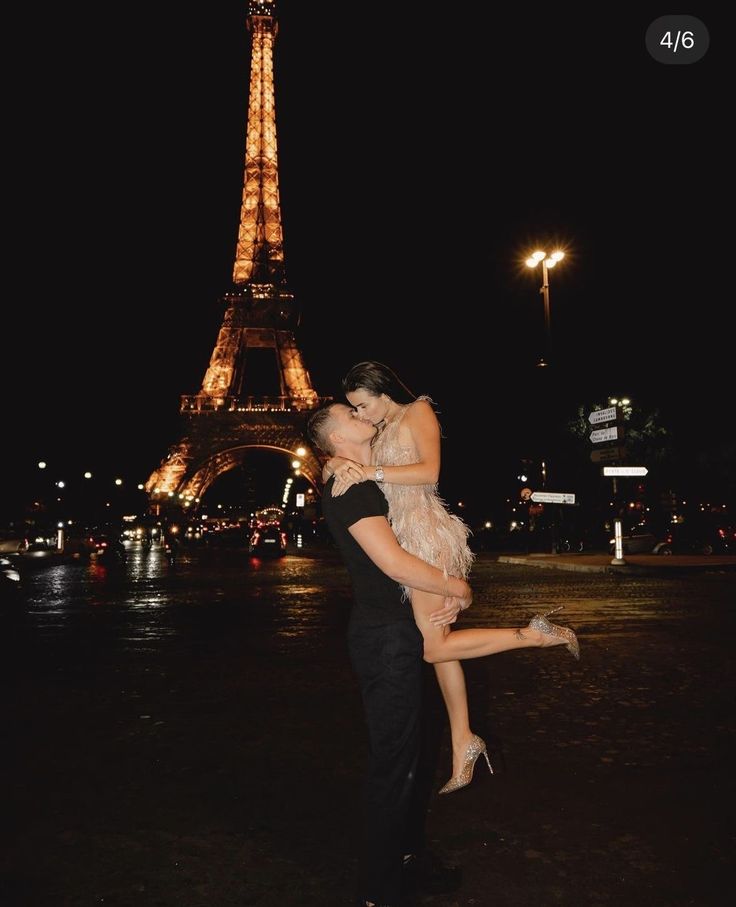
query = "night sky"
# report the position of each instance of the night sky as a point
(422, 158)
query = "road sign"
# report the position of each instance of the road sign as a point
(607, 454)
(604, 434)
(552, 497)
(625, 470)
(603, 415)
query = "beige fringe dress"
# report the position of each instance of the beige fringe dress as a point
(419, 517)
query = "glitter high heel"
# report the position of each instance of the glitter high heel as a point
(476, 746)
(540, 623)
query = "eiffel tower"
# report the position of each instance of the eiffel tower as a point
(227, 417)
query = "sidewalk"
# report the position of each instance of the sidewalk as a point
(635, 563)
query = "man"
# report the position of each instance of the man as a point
(386, 652)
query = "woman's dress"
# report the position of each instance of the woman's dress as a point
(419, 517)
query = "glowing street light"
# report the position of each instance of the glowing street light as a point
(548, 261)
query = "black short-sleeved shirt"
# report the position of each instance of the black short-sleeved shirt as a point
(377, 598)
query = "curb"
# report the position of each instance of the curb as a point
(664, 566)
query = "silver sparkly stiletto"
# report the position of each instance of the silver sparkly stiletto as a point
(476, 746)
(539, 622)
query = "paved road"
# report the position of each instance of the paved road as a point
(194, 737)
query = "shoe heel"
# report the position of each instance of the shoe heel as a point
(539, 622)
(473, 751)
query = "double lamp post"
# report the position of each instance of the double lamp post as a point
(548, 261)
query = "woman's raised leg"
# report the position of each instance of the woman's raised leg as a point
(475, 643)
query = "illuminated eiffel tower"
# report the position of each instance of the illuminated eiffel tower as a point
(256, 345)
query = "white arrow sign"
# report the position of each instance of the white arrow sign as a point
(604, 434)
(603, 415)
(625, 470)
(552, 497)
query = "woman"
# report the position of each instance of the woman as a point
(406, 462)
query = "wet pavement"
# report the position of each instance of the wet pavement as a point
(191, 737)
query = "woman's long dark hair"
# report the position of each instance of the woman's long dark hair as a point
(377, 379)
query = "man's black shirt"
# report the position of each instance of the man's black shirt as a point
(377, 598)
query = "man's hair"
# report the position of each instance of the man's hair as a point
(319, 427)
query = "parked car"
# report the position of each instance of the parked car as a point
(699, 536)
(42, 549)
(269, 540)
(10, 579)
(638, 542)
(12, 542)
(108, 549)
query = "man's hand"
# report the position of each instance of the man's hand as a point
(448, 613)
(467, 599)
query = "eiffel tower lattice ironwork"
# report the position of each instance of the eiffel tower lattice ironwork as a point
(228, 416)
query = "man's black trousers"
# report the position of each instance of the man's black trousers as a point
(388, 664)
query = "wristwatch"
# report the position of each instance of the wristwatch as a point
(379, 473)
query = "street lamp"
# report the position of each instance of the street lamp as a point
(548, 261)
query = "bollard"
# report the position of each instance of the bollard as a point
(618, 554)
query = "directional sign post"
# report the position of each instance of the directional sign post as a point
(552, 497)
(610, 414)
(604, 434)
(625, 471)
(607, 454)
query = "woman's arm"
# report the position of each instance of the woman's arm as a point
(424, 428)
(331, 467)
(421, 422)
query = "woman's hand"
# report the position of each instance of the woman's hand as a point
(346, 473)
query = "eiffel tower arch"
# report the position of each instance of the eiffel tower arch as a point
(236, 408)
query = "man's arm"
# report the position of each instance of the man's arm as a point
(376, 538)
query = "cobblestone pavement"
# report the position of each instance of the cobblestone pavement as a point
(192, 738)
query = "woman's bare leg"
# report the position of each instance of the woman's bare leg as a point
(462, 644)
(445, 648)
(451, 680)
(441, 645)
